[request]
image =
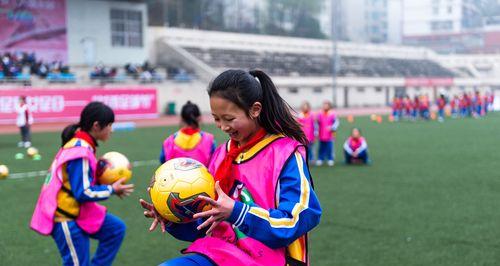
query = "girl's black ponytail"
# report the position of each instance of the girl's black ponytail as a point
(190, 113)
(68, 133)
(276, 116)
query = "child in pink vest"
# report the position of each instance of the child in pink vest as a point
(266, 203)
(327, 126)
(356, 148)
(189, 141)
(67, 207)
(306, 120)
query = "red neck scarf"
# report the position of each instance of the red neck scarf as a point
(87, 137)
(225, 174)
(190, 130)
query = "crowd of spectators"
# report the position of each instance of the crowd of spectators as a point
(21, 65)
(144, 73)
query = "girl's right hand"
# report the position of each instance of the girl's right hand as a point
(122, 190)
(150, 212)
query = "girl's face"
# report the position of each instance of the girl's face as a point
(355, 133)
(305, 107)
(236, 122)
(103, 133)
(326, 106)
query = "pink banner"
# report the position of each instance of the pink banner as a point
(50, 105)
(37, 26)
(428, 82)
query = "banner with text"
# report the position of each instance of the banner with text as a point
(49, 105)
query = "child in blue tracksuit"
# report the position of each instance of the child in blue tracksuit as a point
(67, 209)
(327, 127)
(247, 106)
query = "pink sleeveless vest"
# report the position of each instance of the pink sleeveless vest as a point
(261, 180)
(201, 152)
(325, 122)
(353, 144)
(307, 123)
(91, 214)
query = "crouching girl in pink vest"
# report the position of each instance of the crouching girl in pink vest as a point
(266, 203)
(356, 148)
(189, 141)
(67, 207)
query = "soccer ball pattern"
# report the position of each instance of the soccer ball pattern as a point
(177, 185)
(113, 166)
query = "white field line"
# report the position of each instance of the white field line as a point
(43, 173)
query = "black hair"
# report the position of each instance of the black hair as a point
(245, 88)
(359, 130)
(92, 112)
(190, 113)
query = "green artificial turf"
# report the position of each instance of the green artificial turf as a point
(431, 197)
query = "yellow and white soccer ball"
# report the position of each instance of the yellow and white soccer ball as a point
(176, 187)
(4, 171)
(113, 166)
(31, 151)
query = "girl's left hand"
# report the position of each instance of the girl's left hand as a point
(221, 210)
(150, 212)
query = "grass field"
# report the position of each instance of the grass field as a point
(431, 197)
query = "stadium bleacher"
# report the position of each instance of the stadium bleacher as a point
(287, 64)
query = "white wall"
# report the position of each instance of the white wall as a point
(89, 25)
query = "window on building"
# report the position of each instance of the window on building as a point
(450, 9)
(317, 90)
(441, 25)
(126, 28)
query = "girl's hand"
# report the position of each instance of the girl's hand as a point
(122, 190)
(221, 209)
(150, 212)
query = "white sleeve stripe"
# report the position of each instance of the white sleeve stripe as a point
(300, 206)
(97, 194)
(86, 184)
(85, 174)
(242, 216)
